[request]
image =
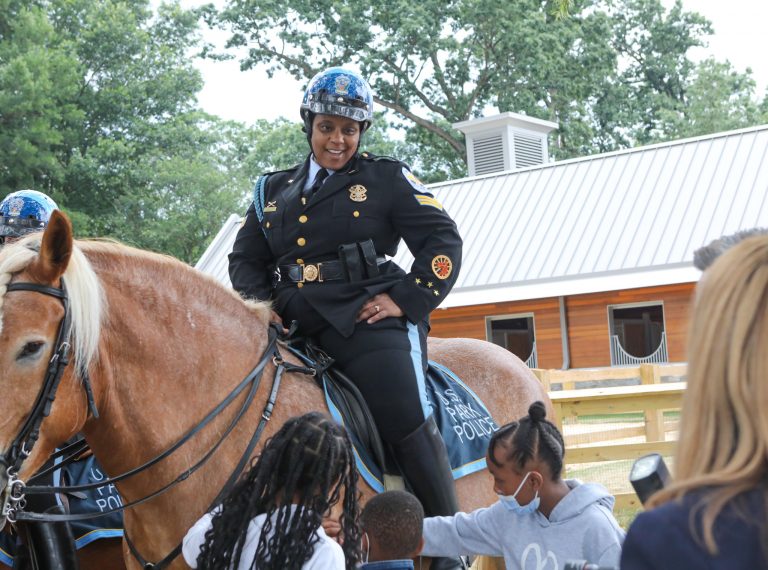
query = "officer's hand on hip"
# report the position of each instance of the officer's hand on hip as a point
(379, 307)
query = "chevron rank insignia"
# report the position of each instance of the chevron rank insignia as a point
(428, 201)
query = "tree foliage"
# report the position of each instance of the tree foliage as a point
(98, 109)
(612, 73)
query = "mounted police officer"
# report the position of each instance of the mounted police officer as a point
(24, 212)
(315, 241)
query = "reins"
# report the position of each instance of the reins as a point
(21, 446)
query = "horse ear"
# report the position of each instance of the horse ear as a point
(55, 250)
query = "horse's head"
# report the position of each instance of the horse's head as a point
(36, 321)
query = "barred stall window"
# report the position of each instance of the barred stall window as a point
(516, 333)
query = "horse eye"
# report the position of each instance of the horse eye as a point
(30, 349)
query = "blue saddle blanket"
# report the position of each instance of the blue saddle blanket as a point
(463, 420)
(99, 499)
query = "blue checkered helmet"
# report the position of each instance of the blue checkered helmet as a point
(24, 212)
(338, 91)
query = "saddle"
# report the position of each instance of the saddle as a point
(349, 402)
(463, 420)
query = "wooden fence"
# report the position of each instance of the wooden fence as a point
(650, 396)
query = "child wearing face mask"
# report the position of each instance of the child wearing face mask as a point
(540, 519)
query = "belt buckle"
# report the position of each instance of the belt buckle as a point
(311, 272)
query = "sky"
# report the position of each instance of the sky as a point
(739, 32)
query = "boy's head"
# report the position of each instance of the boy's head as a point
(392, 524)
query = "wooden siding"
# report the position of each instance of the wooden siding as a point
(589, 329)
(587, 323)
(469, 322)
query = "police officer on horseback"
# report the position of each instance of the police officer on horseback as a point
(317, 241)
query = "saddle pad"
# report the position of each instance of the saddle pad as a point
(463, 420)
(100, 499)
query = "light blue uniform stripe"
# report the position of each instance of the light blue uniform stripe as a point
(418, 368)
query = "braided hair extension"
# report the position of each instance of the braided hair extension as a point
(532, 437)
(303, 471)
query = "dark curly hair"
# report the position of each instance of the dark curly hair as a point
(529, 438)
(310, 460)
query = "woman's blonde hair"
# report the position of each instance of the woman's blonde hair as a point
(723, 444)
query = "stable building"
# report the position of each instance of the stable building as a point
(584, 262)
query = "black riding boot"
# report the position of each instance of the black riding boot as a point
(423, 459)
(51, 545)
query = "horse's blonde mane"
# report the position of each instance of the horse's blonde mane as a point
(87, 301)
(86, 297)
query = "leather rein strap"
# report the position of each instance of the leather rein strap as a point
(23, 442)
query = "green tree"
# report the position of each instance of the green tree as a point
(98, 109)
(608, 73)
(717, 99)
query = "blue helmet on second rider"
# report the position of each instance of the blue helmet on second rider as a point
(24, 212)
(338, 91)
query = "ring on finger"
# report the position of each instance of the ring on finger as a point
(376, 308)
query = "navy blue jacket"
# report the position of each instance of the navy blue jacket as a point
(373, 198)
(661, 539)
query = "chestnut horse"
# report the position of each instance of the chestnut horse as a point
(162, 345)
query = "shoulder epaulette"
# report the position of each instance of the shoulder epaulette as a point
(370, 156)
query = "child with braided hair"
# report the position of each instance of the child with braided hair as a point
(540, 520)
(272, 518)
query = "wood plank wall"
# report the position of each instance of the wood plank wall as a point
(587, 322)
(469, 322)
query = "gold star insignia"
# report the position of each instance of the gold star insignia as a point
(418, 281)
(436, 293)
(429, 284)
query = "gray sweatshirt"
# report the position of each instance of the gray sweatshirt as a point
(580, 527)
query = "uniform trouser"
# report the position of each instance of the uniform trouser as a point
(386, 360)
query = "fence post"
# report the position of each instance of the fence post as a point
(544, 377)
(654, 419)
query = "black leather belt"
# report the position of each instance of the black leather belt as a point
(332, 270)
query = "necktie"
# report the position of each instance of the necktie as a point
(320, 177)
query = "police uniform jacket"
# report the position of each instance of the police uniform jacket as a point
(373, 198)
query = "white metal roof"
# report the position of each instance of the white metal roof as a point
(613, 221)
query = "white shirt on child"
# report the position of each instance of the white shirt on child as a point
(327, 554)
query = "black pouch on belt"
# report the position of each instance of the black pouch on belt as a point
(368, 254)
(349, 255)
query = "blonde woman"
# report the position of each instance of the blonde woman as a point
(714, 515)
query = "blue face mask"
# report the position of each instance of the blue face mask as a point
(510, 501)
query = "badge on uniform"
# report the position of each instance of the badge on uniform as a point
(357, 193)
(271, 207)
(442, 266)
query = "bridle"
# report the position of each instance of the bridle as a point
(23, 442)
(14, 490)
